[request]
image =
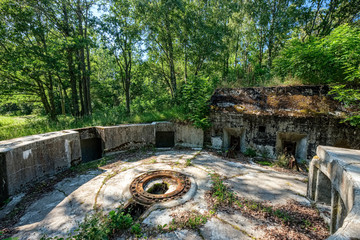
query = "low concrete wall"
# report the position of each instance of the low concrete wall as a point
(127, 136)
(28, 159)
(334, 178)
(188, 136)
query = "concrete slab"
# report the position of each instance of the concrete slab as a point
(58, 212)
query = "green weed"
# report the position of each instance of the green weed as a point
(250, 152)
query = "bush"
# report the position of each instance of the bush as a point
(250, 152)
(332, 59)
(194, 99)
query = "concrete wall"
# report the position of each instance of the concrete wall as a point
(267, 133)
(334, 178)
(28, 159)
(24, 161)
(188, 136)
(127, 136)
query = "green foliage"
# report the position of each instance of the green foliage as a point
(119, 220)
(221, 191)
(189, 219)
(282, 160)
(136, 229)
(350, 96)
(12, 127)
(265, 163)
(331, 59)
(249, 152)
(195, 96)
(99, 226)
(93, 227)
(188, 162)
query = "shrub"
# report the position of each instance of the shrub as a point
(250, 152)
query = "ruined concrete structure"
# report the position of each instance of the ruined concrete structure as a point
(269, 120)
(272, 120)
(26, 160)
(334, 179)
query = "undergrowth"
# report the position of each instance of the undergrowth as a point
(99, 226)
(12, 127)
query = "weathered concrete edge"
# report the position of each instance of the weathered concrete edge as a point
(348, 186)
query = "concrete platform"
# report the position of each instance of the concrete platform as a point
(58, 212)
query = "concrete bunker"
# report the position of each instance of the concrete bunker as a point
(298, 118)
(294, 144)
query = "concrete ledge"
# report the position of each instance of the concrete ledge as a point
(28, 159)
(334, 178)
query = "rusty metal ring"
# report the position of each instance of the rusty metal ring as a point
(143, 197)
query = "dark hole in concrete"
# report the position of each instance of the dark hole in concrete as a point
(165, 139)
(235, 143)
(289, 148)
(3, 181)
(262, 129)
(91, 149)
(159, 188)
(135, 209)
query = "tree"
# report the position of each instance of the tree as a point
(121, 35)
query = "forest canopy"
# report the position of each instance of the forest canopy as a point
(79, 57)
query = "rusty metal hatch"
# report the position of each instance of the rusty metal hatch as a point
(183, 185)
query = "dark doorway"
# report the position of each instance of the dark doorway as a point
(235, 143)
(91, 149)
(289, 148)
(165, 139)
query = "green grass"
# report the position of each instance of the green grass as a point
(12, 127)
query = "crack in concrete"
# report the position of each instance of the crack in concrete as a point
(235, 227)
(62, 191)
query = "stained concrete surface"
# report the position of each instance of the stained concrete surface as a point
(59, 212)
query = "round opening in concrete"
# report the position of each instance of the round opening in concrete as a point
(159, 186)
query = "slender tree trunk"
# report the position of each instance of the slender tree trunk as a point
(171, 57)
(185, 64)
(88, 72)
(82, 72)
(271, 33)
(70, 63)
(51, 98)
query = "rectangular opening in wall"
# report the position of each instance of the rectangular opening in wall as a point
(262, 129)
(289, 148)
(292, 144)
(3, 181)
(235, 142)
(234, 139)
(91, 149)
(164, 139)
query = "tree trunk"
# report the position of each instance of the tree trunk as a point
(82, 76)
(88, 72)
(70, 63)
(171, 57)
(271, 34)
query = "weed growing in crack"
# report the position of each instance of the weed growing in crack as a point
(221, 191)
(188, 219)
(136, 230)
(304, 221)
(99, 226)
(188, 162)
